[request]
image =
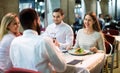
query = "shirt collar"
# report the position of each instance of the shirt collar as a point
(59, 24)
(29, 31)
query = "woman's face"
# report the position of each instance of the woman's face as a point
(57, 17)
(88, 21)
(14, 26)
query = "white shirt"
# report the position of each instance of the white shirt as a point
(62, 32)
(5, 62)
(33, 52)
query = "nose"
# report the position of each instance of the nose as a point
(17, 24)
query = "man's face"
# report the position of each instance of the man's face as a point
(57, 17)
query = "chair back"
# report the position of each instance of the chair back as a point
(109, 47)
(111, 31)
(111, 40)
(20, 70)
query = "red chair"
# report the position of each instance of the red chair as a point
(20, 70)
(111, 31)
(112, 41)
(109, 49)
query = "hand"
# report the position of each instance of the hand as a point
(68, 47)
(56, 42)
(94, 49)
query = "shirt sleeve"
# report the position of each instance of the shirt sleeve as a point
(69, 38)
(101, 45)
(54, 55)
(4, 47)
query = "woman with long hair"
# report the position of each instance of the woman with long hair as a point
(9, 29)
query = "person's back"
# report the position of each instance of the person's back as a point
(31, 51)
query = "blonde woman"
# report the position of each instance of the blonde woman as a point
(9, 29)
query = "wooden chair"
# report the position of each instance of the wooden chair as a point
(20, 70)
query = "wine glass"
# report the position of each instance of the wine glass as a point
(53, 36)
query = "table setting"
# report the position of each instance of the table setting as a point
(83, 62)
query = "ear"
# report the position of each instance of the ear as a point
(38, 21)
(63, 16)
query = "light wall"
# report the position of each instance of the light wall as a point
(8, 6)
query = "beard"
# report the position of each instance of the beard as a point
(38, 29)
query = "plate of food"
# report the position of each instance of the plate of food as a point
(78, 51)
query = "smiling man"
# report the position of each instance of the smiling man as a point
(60, 32)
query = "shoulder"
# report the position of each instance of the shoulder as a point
(66, 26)
(15, 40)
(98, 34)
(8, 37)
(80, 31)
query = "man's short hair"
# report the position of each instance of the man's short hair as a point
(27, 17)
(59, 10)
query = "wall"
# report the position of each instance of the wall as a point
(68, 7)
(90, 5)
(104, 6)
(8, 6)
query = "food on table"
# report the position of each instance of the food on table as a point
(79, 51)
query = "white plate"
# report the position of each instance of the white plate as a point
(72, 52)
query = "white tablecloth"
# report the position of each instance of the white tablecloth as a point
(91, 63)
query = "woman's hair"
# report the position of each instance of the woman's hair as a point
(6, 20)
(96, 25)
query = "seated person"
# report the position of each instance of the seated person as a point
(59, 30)
(90, 37)
(31, 51)
(9, 29)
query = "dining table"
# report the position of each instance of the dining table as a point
(86, 63)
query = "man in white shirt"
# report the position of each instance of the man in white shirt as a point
(60, 31)
(31, 51)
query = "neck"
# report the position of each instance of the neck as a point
(89, 31)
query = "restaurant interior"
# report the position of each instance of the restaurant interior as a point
(71, 8)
